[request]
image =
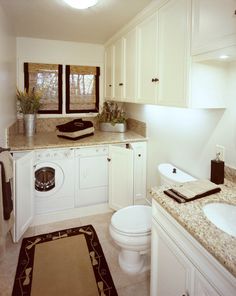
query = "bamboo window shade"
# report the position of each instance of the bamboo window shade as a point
(47, 78)
(82, 89)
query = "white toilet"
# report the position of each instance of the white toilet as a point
(171, 175)
(130, 229)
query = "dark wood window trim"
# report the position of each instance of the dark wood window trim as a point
(26, 84)
(96, 107)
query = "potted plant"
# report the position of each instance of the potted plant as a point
(28, 103)
(112, 118)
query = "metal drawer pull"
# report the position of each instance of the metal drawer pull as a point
(120, 84)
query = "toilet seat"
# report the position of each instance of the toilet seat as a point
(132, 220)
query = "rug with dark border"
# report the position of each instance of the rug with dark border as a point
(24, 272)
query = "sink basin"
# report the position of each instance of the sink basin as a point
(222, 215)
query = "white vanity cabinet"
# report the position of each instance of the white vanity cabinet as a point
(214, 25)
(180, 265)
(127, 174)
(23, 191)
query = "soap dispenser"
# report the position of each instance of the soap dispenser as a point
(217, 170)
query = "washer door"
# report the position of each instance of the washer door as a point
(49, 178)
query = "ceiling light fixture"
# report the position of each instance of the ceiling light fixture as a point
(81, 4)
(224, 57)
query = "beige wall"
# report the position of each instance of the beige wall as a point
(7, 76)
(59, 52)
(188, 137)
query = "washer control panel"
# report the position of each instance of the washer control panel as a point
(51, 154)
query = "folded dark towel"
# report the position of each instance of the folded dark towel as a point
(74, 125)
(6, 195)
(75, 138)
(180, 198)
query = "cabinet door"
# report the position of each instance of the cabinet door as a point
(119, 76)
(171, 271)
(130, 66)
(147, 61)
(23, 194)
(140, 164)
(214, 24)
(109, 72)
(173, 52)
(120, 177)
(202, 287)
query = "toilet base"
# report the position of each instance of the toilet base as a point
(134, 262)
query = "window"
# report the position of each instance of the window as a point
(82, 89)
(47, 78)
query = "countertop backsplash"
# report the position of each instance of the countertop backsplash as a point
(49, 125)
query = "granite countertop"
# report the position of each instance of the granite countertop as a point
(190, 215)
(50, 140)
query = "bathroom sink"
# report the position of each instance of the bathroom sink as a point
(222, 215)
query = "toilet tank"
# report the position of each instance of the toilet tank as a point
(172, 175)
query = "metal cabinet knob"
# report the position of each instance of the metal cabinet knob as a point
(139, 155)
(109, 159)
(110, 85)
(120, 84)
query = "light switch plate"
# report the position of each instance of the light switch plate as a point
(221, 150)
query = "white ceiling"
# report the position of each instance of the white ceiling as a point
(54, 19)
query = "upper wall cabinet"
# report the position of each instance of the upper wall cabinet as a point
(214, 25)
(119, 75)
(109, 86)
(147, 78)
(174, 52)
(130, 66)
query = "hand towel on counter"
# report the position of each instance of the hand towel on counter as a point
(75, 129)
(192, 190)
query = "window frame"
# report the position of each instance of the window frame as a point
(26, 85)
(68, 109)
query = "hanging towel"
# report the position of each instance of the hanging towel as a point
(6, 176)
(192, 190)
(5, 225)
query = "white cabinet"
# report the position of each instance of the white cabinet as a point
(119, 75)
(127, 174)
(109, 75)
(130, 65)
(202, 286)
(180, 265)
(214, 25)
(147, 80)
(91, 176)
(174, 53)
(23, 193)
(171, 270)
(120, 176)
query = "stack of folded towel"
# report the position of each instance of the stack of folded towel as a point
(75, 129)
(192, 190)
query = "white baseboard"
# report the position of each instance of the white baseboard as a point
(70, 214)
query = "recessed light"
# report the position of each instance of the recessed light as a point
(223, 57)
(81, 4)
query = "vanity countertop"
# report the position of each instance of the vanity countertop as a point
(45, 140)
(191, 216)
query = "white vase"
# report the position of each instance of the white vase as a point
(29, 124)
(116, 128)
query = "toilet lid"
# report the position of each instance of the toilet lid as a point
(133, 219)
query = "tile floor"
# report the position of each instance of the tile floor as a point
(132, 285)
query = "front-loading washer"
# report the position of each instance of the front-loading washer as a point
(54, 180)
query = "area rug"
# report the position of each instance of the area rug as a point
(63, 263)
